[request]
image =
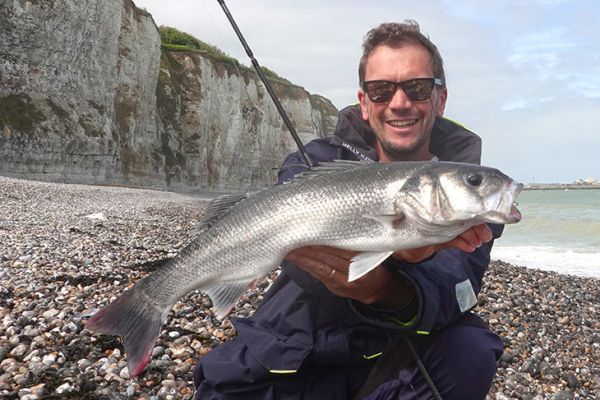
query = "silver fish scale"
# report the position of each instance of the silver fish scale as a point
(257, 233)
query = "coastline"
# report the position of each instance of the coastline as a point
(561, 186)
(66, 250)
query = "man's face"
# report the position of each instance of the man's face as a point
(402, 127)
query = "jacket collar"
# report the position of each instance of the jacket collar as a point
(449, 141)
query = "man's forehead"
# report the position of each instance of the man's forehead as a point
(407, 58)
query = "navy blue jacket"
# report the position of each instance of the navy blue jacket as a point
(302, 331)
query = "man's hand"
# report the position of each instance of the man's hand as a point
(467, 241)
(382, 286)
(330, 266)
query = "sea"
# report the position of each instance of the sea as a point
(560, 231)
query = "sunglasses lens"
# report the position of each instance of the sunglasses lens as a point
(418, 89)
(380, 91)
(383, 91)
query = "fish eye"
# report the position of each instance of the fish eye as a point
(474, 179)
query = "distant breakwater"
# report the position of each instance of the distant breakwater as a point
(560, 186)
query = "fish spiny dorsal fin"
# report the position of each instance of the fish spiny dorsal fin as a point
(216, 209)
(329, 166)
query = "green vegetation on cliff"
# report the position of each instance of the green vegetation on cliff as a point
(175, 40)
(18, 112)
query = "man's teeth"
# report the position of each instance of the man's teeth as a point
(400, 124)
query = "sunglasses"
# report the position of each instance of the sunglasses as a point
(415, 89)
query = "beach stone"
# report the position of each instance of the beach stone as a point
(4, 351)
(130, 391)
(64, 388)
(562, 395)
(83, 363)
(51, 313)
(507, 357)
(30, 331)
(38, 390)
(49, 359)
(19, 350)
(531, 366)
(124, 373)
(158, 351)
(571, 380)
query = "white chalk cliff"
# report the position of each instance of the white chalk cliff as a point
(88, 95)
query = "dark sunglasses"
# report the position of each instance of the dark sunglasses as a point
(415, 89)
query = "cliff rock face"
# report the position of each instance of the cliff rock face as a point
(87, 95)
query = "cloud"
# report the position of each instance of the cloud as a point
(516, 104)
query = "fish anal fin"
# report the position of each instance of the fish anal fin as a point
(365, 262)
(224, 295)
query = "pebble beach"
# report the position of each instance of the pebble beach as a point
(68, 250)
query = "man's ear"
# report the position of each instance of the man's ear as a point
(441, 103)
(362, 99)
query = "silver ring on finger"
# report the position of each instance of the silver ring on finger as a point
(332, 273)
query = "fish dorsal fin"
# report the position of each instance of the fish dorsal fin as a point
(330, 166)
(225, 295)
(364, 262)
(217, 208)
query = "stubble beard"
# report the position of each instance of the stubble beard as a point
(403, 153)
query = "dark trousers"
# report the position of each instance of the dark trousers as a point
(461, 360)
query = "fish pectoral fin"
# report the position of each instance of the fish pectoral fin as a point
(389, 221)
(224, 295)
(364, 262)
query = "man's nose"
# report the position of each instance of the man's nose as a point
(400, 100)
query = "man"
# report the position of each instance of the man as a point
(316, 336)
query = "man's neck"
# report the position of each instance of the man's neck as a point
(420, 155)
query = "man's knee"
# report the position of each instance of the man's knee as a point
(462, 361)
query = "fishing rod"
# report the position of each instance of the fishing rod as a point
(264, 80)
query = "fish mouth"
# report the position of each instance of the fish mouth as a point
(514, 215)
(506, 211)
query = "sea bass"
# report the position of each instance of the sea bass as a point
(375, 208)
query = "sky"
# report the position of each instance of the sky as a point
(522, 74)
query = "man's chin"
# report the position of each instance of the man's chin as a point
(409, 148)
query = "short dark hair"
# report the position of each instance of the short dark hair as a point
(396, 35)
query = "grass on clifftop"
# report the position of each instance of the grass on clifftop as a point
(175, 40)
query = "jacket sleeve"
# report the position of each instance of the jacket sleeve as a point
(449, 283)
(446, 286)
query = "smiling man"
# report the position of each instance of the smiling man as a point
(402, 125)
(404, 330)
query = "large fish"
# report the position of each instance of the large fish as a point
(375, 208)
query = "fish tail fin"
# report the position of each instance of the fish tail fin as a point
(137, 320)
